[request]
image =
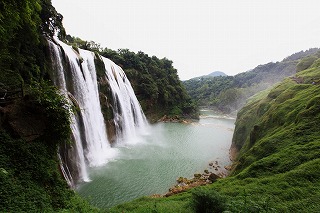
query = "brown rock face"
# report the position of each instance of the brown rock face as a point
(111, 131)
(24, 120)
(107, 103)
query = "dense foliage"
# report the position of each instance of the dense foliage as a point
(23, 23)
(31, 131)
(278, 168)
(34, 118)
(155, 81)
(229, 93)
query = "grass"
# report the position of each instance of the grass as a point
(179, 203)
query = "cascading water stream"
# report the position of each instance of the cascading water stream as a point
(59, 80)
(127, 113)
(75, 75)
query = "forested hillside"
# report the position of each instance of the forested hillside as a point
(229, 93)
(23, 24)
(155, 81)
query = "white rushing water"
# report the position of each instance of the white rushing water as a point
(127, 112)
(75, 75)
(59, 80)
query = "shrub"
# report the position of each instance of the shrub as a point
(207, 200)
(176, 111)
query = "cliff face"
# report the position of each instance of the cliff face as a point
(33, 120)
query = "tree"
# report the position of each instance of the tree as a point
(51, 20)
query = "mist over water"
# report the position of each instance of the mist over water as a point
(155, 160)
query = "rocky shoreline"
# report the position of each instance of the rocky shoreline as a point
(174, 119)
(209, 176)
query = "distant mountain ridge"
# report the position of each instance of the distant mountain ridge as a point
(211, 75)
(229, 93)
(217, 73)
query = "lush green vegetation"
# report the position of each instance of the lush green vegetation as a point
(278, 167)
(229, 93)
(155, 81)
(31, 131)
(22, 56)
(35, 119)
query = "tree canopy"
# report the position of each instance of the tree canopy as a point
(22, 24)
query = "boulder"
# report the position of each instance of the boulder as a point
(213, 177)
(197, 176)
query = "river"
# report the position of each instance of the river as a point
(152, 164)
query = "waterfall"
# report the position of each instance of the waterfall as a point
(128, 113)
(75, 74)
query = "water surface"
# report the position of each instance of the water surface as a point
(153, 163)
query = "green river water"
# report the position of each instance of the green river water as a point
(152, 165)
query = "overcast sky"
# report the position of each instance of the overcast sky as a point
(199, 36)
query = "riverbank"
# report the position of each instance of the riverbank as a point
(209, 176)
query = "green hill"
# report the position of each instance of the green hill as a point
(217, 73)
(278, 166)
